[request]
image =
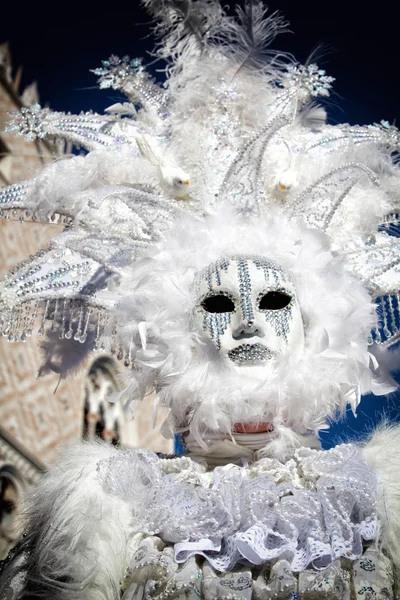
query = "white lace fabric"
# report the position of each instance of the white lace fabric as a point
(313, 509)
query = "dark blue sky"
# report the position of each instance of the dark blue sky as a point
(359, 48)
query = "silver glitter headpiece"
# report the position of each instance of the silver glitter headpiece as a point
(229, 127)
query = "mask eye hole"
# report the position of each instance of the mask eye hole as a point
(218, 304)
(274, 301)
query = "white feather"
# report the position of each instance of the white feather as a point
(78, 533)
(382, 454)
(124, 108)
(313, 117)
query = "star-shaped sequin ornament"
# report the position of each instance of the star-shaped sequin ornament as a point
(28, 122)
(390, 132)
(114, 71)
(310, 80)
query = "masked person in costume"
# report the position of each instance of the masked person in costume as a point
(240, 256)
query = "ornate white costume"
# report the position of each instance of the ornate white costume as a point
(241, 257)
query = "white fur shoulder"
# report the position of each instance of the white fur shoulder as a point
(382, 454)
(78, 535)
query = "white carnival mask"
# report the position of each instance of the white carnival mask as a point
(247, 307)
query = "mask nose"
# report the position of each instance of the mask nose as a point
(247, 329)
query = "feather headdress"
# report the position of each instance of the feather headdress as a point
(230, 156)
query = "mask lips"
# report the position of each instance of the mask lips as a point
(250, 353)
(251, 427)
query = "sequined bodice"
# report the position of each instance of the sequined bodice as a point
(370, 577)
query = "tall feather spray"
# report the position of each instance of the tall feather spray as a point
(183, 24)
(248, 38)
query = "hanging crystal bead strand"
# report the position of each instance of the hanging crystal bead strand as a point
(63, 318)
(113, 338)
(377, 330)
(31, 324)
(8, 322)
(68, 334)
(83, 337)
(102, 320)
(15, 325)
(97, 338)
(79, 328)
(386, 330)
(394, 325)
(397, 309)
(128, 354)
(5, 323)
(10, 328)
(46, 309)
(105, 323)
(131, 344)
(27, 314)
(396, 317)
(55, 316)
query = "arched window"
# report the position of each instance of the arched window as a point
(102, 417)
(11, 489)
